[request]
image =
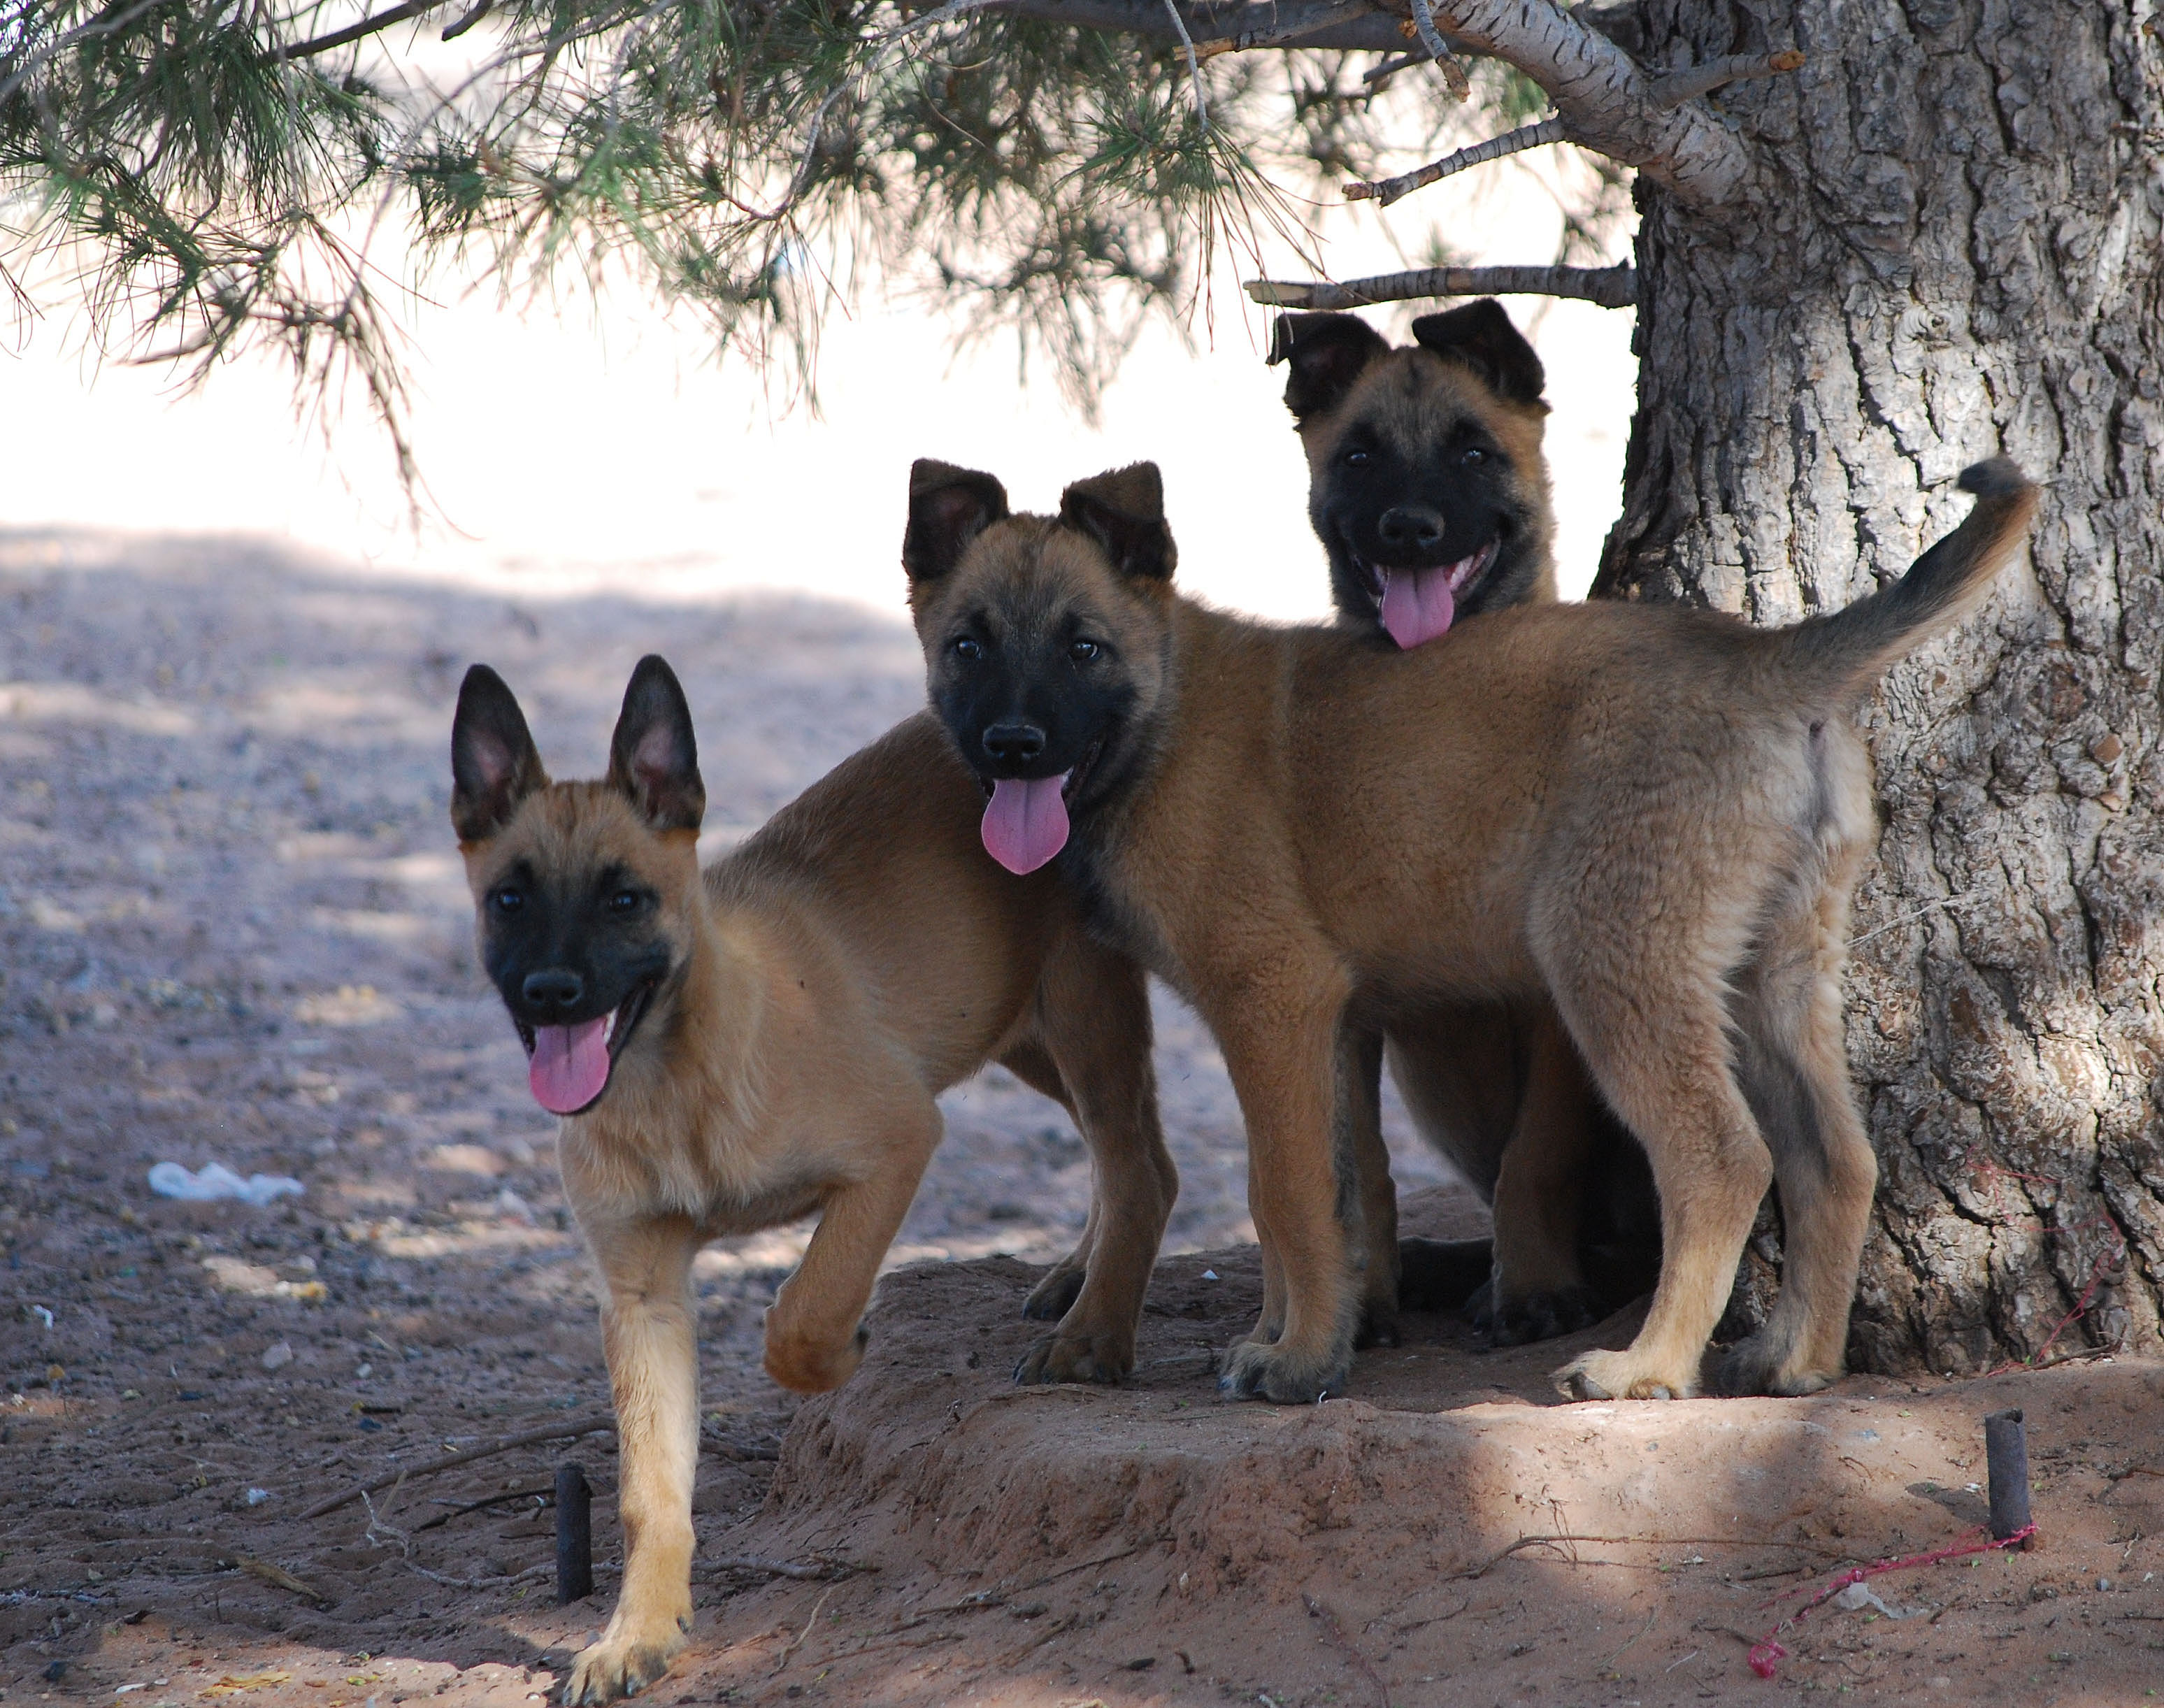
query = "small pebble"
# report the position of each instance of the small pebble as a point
(278, 1356)
(2103, 1582)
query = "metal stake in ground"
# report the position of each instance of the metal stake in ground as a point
(575, 1536)
(2006, 1452)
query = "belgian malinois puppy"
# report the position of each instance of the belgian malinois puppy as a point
(742, 1048)
(1651, 816)
(1429, 489)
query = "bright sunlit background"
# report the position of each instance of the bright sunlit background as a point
(568, 448)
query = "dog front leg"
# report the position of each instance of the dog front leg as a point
(815, 1332)
(649, 1333)
(1093, 1014)
(1285, 1075)
(1360, 1140)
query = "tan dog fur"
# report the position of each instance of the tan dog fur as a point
(855, 957)
(1651, 816)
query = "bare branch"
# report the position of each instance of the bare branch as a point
(1219, 28)
(1194, 65)
(352, 32)
(1677, 87)
(454, 30)
(1431, 38)
(1388, 190)
(1611, 287)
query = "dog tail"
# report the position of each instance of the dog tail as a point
(1851, 648)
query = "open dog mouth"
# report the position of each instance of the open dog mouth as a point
(1416, 604)
(1026, 823)
(568, 1067)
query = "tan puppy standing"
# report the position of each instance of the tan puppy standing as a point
(742, 1048)
(1652, 816)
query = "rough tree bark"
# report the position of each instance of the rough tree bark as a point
(1952, 246)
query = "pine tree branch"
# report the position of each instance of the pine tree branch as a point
(1194, 65)
(1355, 25)
(352, 32)
(1388, 190)
(1611, 287)
(1675, 88)
(454, 30)
(1606, 102)
(1431, 38)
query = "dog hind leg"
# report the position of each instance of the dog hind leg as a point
(1792, 1057)
(1662, 1059)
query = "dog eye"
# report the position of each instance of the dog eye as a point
(508, 900)
(1358, 459)
(967, 650)
(1082, 651)
(1473, 455)
(625, 901)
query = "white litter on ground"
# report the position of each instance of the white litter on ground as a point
(216, 1180)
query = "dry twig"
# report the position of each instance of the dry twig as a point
(570, 1429)
(1386, 191)
(1611, 287)
(1333, 1628)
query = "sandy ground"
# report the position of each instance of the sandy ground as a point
(232, 928)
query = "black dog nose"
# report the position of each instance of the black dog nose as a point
(559, 987)
(1014, 744)
(1411, 527)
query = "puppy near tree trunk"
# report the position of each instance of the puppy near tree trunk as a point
(1652, 817)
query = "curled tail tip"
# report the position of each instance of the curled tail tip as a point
(1996, 477)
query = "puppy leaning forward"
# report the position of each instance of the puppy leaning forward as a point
(1654, 815)
(741, 1048)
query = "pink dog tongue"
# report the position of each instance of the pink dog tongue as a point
(570, 1065)
(1417, 604)
(1026, 821)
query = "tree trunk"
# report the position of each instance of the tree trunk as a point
(1953, 248)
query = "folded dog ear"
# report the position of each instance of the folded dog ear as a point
(494, 763)
(1123, 510)
(947, 508)
(1482, 336)
(653, 756)
(1327, 352)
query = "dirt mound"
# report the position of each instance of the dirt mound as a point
(1150, 1544)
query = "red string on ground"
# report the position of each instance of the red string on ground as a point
(1765, 1656)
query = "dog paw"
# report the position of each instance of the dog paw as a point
(1054, 1296)
(1618, 1375)
(1755, 1366)
(1537, 1316)
(1378, 1327)
(806, 1366)
(1076, 1358)
(1255, 1371)
(623, 1664)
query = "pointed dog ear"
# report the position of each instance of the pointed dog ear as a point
(1123, 510)
(494, 763)
(947, 508)
(653, 756)
(1327, 353)
(1481, 335)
